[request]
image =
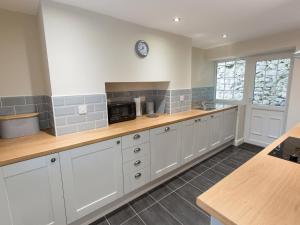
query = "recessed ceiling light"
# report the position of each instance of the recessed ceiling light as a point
(176, 19)
(224, 35)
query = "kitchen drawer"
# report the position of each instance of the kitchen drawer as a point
(135, 152)
(135, 139)
(137, 164)
(136, 179)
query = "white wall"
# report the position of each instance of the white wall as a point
(21, 70)
(86, 49)
(203, 72)
(269, 44)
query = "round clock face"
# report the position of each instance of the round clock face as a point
(142, 48)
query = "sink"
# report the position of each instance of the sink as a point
(208, 108)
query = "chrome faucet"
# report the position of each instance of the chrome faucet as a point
(203, 104)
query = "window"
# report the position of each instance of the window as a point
(271, 82)
(230, 80)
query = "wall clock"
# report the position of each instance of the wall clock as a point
(141, 48)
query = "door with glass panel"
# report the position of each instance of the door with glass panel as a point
(268, 98)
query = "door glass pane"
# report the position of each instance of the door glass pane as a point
(271, 82)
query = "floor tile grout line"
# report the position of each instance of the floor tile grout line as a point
(171, 214)
(196, 207)
(107, 220)
(130, 216)
(137, 214)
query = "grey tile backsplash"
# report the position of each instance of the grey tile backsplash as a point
(181, 105)
(64, 118)
(159, 97)
(67, 118)
(28, 104)
(202, 94)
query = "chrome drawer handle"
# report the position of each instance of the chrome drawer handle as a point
(137, 150)
(138, 175)
(137, 163)
(167, 129)
(137, 136)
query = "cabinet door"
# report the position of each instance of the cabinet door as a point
(216, 130)
(201, 136)
(92, 177)
(188, 136)
(165, 150)
(229, 124)
(31, 193)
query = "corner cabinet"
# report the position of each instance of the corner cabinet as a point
(92, 177)
(165, 145)
(31, 193)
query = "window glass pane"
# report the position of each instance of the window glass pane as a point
(271, 82)
(230, 80)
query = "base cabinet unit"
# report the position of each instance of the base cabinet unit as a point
(136, 166)
(31, 193)
(229, 124)
(201, 136)
(92, 177)
(165, 145)
(188, 136)
(216, 130)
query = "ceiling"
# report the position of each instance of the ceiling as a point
(203, 20)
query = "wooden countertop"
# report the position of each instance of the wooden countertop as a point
(41, 144)
(263, 191)
(18, 116)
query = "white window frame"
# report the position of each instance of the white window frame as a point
(231, 101)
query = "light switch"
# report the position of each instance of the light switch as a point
(82, 109)
(181, 98)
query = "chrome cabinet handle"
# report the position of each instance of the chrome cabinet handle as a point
(167, 129)
(138, 175)
(137, 136)
(118, 142)
(137, 150)
(53, 160)
(137, 163)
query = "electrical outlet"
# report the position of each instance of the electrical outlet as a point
(181, 98)
(82, 109)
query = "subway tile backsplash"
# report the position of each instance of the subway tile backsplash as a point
(63, 117)
(67, 118)
(28, 104)
(159, 97)
(200, 94)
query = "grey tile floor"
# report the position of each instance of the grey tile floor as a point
(173, 202)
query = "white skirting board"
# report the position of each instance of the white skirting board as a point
(238, 142)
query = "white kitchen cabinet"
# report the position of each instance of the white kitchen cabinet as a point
(31, 193)
(165, 151)
(229, 124)
(92, 177)
(215, 124)
(188, 140)
(202, 136)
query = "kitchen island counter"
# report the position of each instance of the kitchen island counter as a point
(263, 191)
